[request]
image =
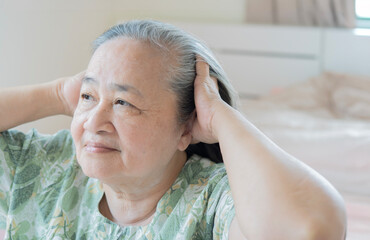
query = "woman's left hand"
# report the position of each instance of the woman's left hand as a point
(207, 103)
(69, 92)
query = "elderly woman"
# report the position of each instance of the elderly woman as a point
(153, 119)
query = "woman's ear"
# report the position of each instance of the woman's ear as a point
(186, 136)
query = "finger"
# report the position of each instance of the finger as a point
(201, 67)
(194, 139)
(80, 75)
(194, 127)
(215, 82)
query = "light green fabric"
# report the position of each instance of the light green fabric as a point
(45, 195)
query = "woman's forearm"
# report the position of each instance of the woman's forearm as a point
(23, 104)
(275, 194)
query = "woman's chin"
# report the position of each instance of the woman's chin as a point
(94, 172)
(97, 168)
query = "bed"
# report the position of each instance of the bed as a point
(308, 89)
(327, 126)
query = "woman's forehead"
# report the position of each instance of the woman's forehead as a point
(127, 61)
(127, 51)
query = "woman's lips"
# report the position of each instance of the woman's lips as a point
(99, 148)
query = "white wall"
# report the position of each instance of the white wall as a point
(41, 40)
(210, 11)
(347, 51)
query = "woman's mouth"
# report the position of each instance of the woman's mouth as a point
(94, 147)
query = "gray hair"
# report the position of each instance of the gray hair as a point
(174, 41)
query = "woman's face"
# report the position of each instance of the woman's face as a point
(125, 125)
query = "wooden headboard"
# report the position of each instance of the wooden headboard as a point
(260, 58)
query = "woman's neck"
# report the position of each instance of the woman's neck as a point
(136, 206)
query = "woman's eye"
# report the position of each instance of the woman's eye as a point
(123, 103)
(85, 96)
(127, 107)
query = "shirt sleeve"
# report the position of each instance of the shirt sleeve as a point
(22, 156)
(10, 144)
(225, 211)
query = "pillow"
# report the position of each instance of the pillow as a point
(349, 96)
(330, 94)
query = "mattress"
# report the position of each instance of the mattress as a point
(325, 123)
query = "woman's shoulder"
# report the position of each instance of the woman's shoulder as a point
(16, 137)
(19, 147)
(199, 167)
(200, 201)
(200, 175)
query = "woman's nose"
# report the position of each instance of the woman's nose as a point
(99, 120)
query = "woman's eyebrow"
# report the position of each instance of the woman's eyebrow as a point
(126, 88)
(114, 86)
(89, 80)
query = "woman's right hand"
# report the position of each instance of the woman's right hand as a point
(68, 90)
(24, 104)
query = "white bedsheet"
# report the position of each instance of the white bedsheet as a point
(338, 149)
(325, 122)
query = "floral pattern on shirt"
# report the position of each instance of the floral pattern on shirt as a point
(45, 195)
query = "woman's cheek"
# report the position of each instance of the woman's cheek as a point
(134, 132)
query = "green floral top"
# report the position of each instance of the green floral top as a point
(45, 195)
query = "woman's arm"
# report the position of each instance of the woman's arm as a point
(23, 104)
(275, 195)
